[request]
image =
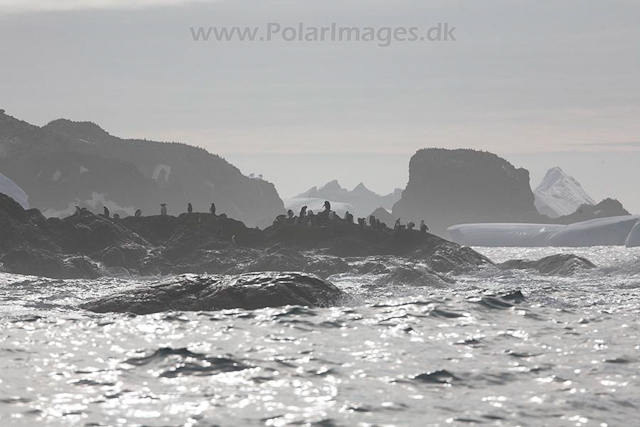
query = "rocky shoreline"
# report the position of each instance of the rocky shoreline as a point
(213, 262)
(86, 245)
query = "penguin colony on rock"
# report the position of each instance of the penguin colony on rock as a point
(163, 211)
(307, 217)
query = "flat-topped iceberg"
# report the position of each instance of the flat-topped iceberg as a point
(613, 231)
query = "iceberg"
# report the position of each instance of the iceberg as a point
(613, 231)
(633, 239)
(12, 190)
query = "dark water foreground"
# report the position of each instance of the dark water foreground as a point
(565, 351)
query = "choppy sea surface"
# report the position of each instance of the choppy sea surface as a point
(568, 355)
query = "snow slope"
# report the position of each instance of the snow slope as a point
(613, 231)
(560, 194)
(12, 190)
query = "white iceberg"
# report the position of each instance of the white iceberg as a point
(633, 239)
(614, 231)
(12, 190)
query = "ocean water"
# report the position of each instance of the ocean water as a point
(566, 355)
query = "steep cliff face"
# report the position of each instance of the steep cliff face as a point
(448, 187)
(68, 163)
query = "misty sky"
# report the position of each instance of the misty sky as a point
(542, 83)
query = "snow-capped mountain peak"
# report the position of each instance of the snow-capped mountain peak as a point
(560, 194)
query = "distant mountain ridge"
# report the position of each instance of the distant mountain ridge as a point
(560, 194)
(67, 163)
(363, 200)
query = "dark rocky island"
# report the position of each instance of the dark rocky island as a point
(87, 245)
(449, 187)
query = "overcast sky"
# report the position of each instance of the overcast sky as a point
(543, 83)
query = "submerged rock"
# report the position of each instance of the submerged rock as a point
(203, 293)
(416, 276)
(41, 262)
(554, 265)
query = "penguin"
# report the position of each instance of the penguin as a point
(327, 205)
(372, 221)
(397, 224)
(212, 209)
(116, 216)
(138, 213)
(362, 223)
(303, 212)
(348, 217)
(423, 227)
(411, 225)
(290, 213)
(163, 209)
(78, 210)
(189, 208)
(106, 212)
(223, 216)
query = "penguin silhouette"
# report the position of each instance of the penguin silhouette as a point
(163, 209)
(189, 208)
(212, 209)
(106, 212)
(138, 213)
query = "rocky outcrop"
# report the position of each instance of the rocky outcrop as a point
(448, 187)
(350, 240)
(204, 293)
(384, 216)
(88, 245)
(554, 265)
(586, 212)
(67, 163)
